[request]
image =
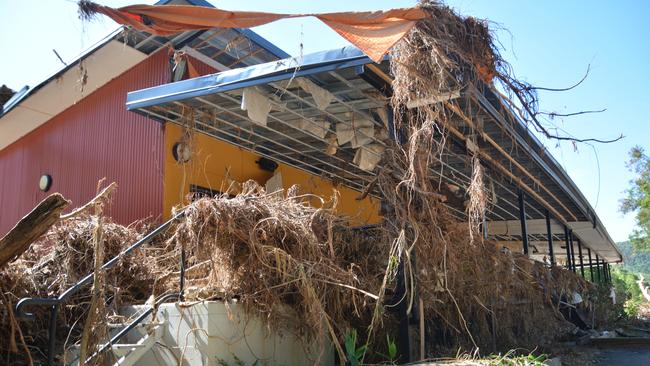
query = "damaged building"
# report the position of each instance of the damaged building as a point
(178, 119)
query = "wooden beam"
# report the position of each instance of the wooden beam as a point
(31, 227)
(495, 164)
(494, 144)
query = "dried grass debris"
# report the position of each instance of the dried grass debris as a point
(55, 263)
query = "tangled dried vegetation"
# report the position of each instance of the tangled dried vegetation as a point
(274, 252)
(51, 266)
(281, 257)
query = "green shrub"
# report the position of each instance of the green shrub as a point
(627, 289)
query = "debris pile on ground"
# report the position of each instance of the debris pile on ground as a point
(281, 257)
(54, 264)
(275, 253)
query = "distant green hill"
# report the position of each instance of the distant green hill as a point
(635, 260)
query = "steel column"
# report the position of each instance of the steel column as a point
(522, 219)
(598, 268)
(609, 272)
(51, 349)
(573, 252)
(591, 269)
(568, 248)
(401, 307)
(484, 228)
(549, 235)
(582, 264)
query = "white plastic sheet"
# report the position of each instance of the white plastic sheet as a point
(358, 133)
(367, 157)
(321, 96)
(317, 128)
(274, 184)
(256, 104)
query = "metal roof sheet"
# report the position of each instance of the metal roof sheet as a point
(248, 76)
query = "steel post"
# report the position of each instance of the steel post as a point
(598, 268)
(403, 339)
(609, 272)
(484, 228)
(549, 235)
(591, 269)
(522, 219)
(582, 264)
(51, 350)
(568, 248)
(573, 252)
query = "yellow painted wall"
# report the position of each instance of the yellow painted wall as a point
(214, 161)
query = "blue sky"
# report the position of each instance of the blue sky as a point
(549, 43)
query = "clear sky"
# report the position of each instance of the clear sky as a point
(549, 43)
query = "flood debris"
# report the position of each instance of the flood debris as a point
(279, 256)
(278, 251)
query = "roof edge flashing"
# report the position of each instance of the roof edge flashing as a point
(323, 61)
(83, 55)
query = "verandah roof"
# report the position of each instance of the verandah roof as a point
(360, 90)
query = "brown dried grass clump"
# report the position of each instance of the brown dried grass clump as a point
(302, 269)
(55, 263)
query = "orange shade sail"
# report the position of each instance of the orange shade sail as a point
(374, 32)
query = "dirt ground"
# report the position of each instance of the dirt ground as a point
(612, 356)
(624, 357)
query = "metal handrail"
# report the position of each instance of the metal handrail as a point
(56, 301)
(124, 331)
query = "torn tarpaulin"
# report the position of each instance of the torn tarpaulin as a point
(373, 32)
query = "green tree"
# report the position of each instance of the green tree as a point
(637, 198)
(637, 261)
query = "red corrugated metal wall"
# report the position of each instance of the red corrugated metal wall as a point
(93, 139)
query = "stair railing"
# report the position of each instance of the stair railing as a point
(55, 302)
(139, 319)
